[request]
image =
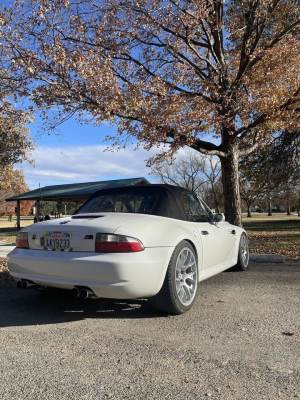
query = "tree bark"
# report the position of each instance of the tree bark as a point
(249, 211)
(230, 179)
(270, 208)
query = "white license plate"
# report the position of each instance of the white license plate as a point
(57, 241)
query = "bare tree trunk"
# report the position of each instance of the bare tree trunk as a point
(216, 201)
(270, 208)
(288, 208)
(249, 211)
(230, 179)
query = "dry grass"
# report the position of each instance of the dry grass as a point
(8, 238)
(275, 235)
(4, 223)
(4, 275)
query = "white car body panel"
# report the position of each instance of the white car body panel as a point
(218, 243)
(108, 275)
(122, 275)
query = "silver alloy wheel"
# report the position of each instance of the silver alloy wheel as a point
(244, 250)
(186, 276)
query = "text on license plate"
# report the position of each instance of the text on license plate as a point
(59, 241)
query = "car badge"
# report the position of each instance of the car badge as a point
(88, 237)
(33, 237)
(64, 222)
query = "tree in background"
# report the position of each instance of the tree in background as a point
(296, 198)
(15, 142)
(12, 182)
(196, 172)
(185, 171)
(213, 193)
(254, 182)
(50, 208)
(174, 72)
(272, 172)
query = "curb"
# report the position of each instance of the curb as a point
(266, 258)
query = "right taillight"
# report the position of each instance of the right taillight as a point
(106, 243)
(22, 240)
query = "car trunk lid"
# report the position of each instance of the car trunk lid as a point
(76, 233)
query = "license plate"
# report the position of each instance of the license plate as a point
(57, 241)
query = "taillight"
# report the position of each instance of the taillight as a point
(22, 240)
(117, 244)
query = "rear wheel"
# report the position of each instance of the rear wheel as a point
(178, 292)
(243, 255)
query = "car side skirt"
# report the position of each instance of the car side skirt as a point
(216, 269)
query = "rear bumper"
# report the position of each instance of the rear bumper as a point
(120, 276)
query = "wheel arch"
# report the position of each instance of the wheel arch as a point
(195, 250)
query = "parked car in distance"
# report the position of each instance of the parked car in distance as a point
(153, 241)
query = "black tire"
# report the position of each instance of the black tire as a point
(177, 284)
(243, 255)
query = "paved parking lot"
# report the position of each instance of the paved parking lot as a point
(5, 248)
(241, 340)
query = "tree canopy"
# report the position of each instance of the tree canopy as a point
(12, 182)
(217, 76)
(15, 141)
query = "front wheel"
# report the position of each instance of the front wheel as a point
(243, 255)
(178, 292)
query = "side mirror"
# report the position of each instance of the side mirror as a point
(219, 217)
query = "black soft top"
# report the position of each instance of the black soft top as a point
(169, 201)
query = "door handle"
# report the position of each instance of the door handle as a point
(204, 233)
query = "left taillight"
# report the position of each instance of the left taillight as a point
(106, 243)
(22, 240)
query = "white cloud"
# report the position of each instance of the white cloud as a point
(54, 166)
(88, 163)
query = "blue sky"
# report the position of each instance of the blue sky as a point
(77, 155)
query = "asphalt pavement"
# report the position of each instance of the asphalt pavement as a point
(5, 248)
(241, 340)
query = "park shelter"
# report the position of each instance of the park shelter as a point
(74, 192)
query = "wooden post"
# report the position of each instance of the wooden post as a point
(18, 214)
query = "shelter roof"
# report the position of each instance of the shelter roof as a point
(75, 191)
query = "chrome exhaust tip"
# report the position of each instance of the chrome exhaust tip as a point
(86, 293)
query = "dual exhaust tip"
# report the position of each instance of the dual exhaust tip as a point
(82, 292)
(27, 285)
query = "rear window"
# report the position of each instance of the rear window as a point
(142, 203)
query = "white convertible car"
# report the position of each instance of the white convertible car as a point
(155, 241)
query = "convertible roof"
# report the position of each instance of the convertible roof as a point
(169, 203)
